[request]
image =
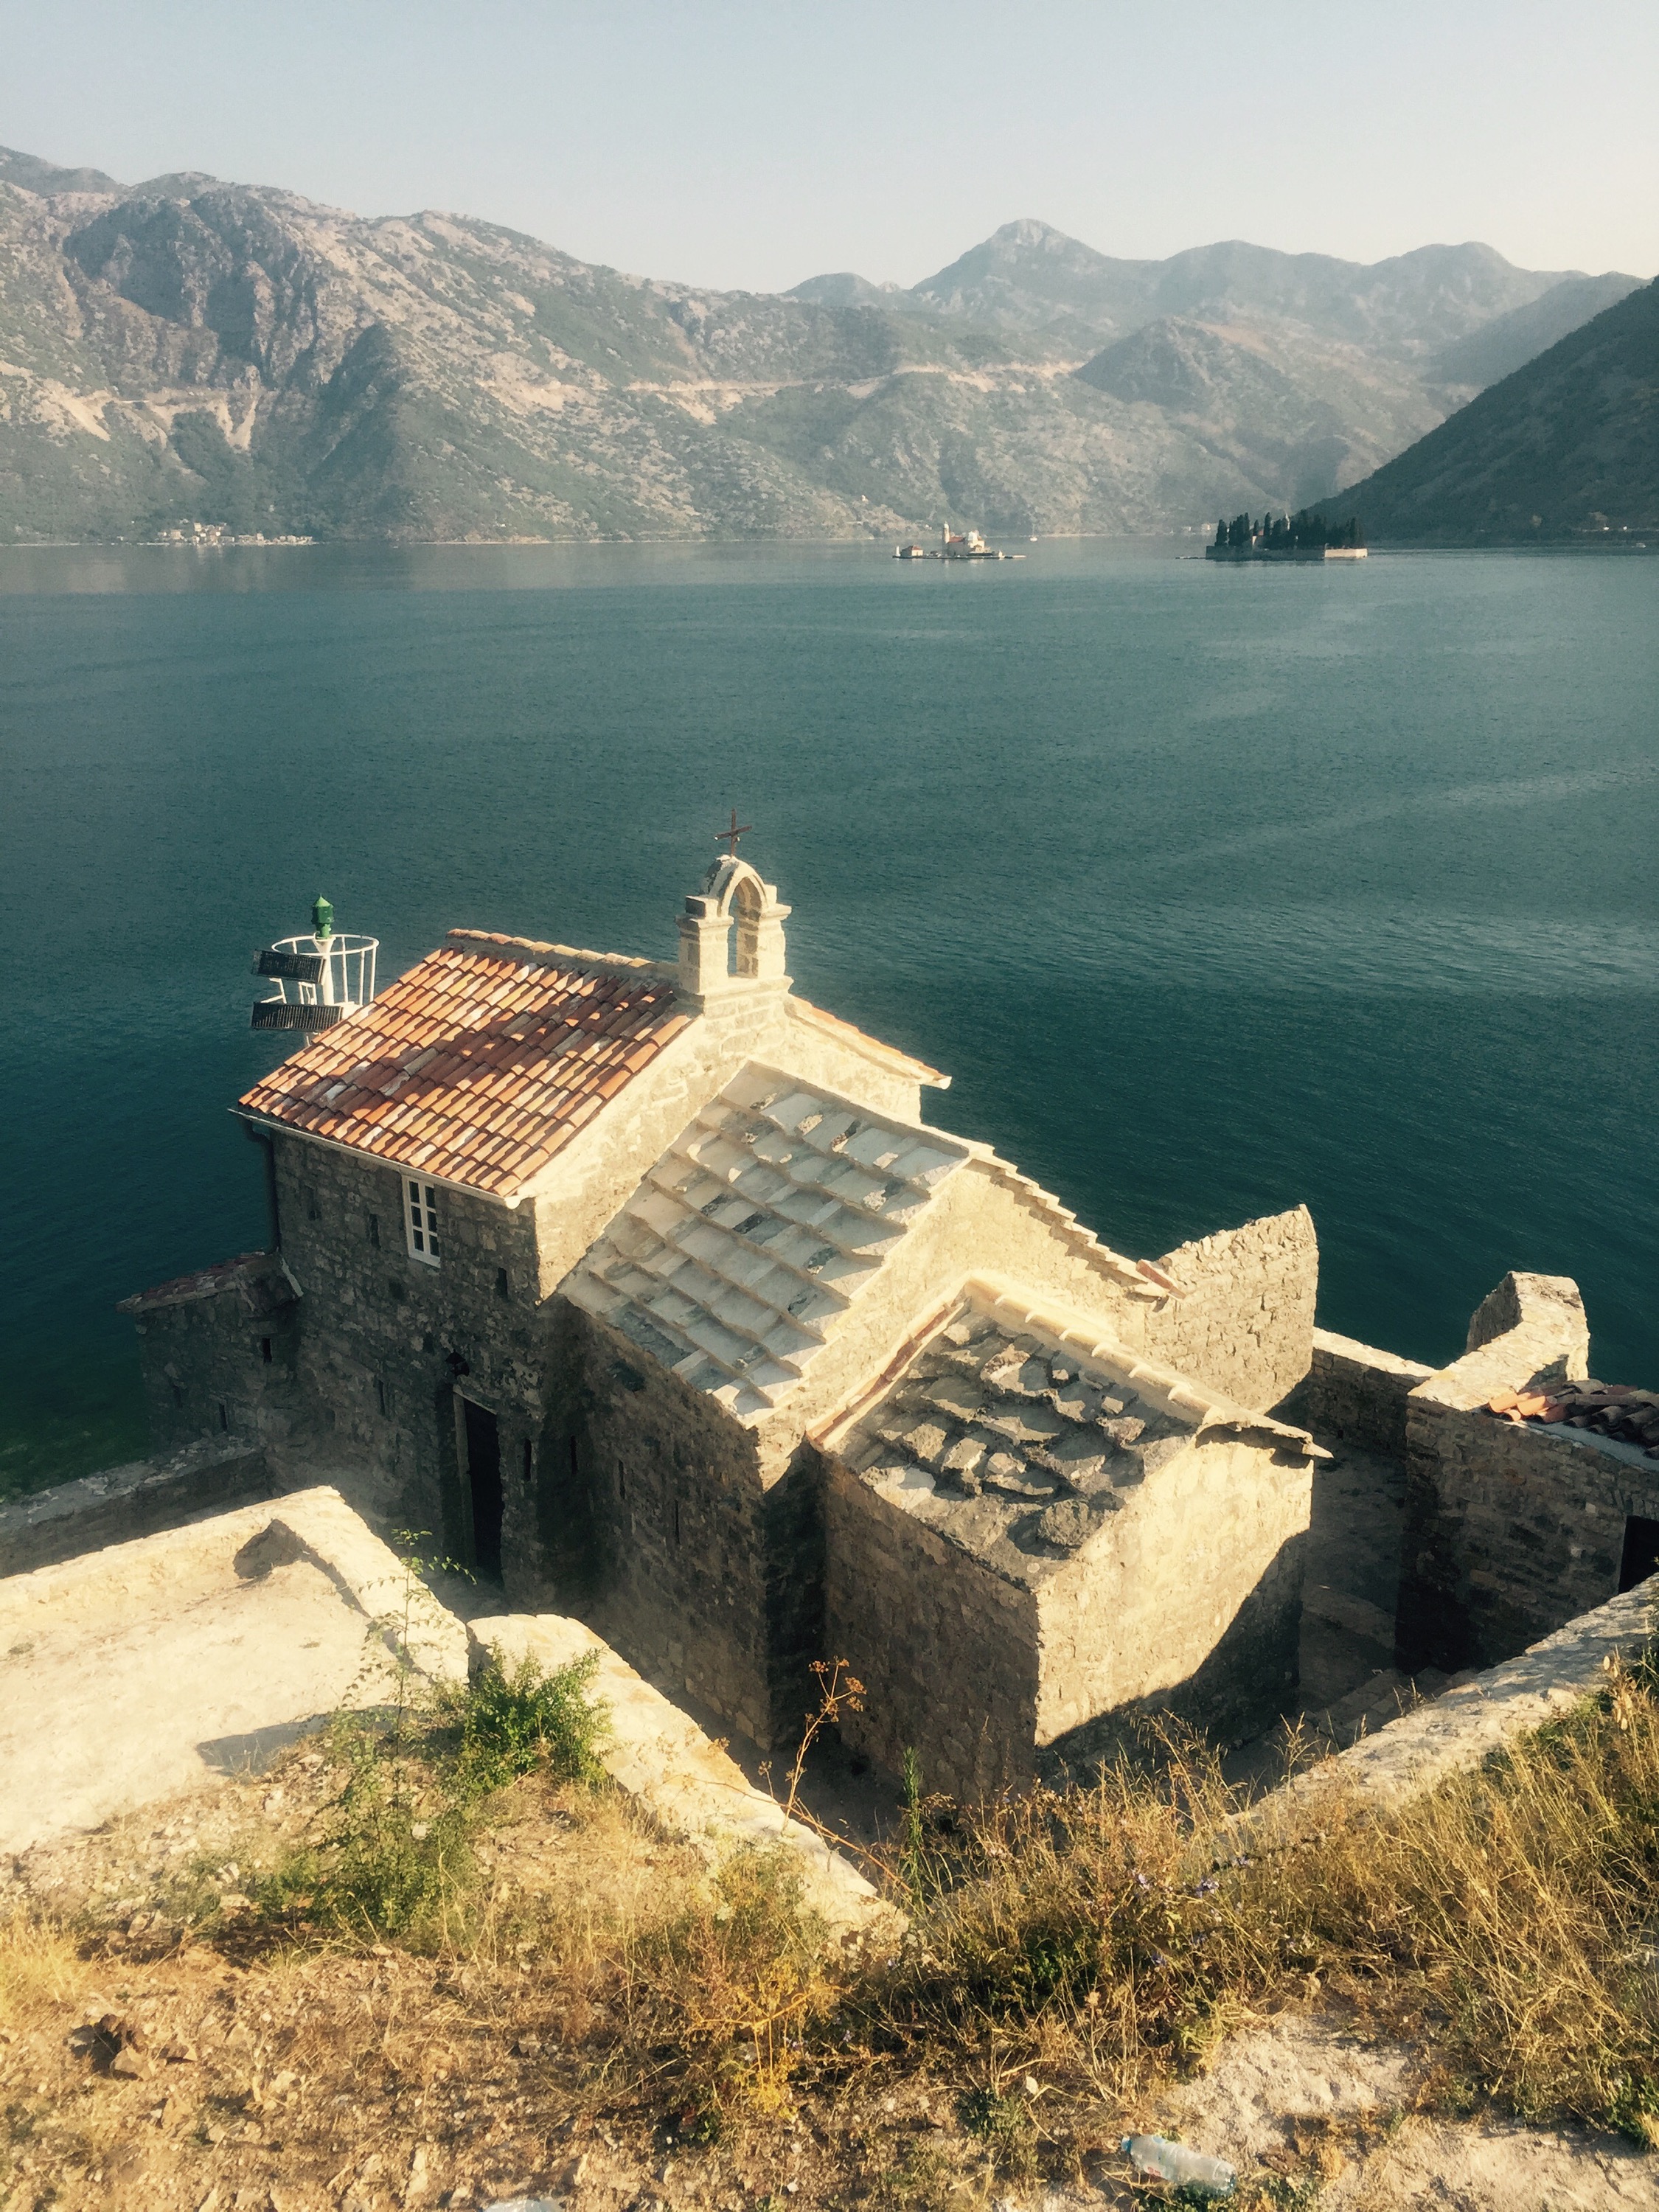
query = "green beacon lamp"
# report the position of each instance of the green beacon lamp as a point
(319, 979)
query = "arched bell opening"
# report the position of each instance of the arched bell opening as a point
(712, 954)
(748, 906)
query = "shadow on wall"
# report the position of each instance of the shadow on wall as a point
(1246, 1683)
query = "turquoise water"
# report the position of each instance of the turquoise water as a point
(1215, 889)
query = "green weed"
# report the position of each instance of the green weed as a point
(522, 1721)
(397, 1860)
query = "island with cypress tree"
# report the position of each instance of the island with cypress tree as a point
(1303, 536)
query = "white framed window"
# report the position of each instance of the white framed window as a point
(421, 1220)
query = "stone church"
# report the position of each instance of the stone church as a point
(647, 1289)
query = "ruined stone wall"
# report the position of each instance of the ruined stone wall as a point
(1245, 1327)
(945, 1648)
(1509, 1531)
(678, 1528)
(211, 1369)
(1188, 1601)
(386, 1342)
(1355, 1393)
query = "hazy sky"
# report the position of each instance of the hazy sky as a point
(733, 143)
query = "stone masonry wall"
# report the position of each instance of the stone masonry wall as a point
(386, 1343)
(211, 1369)
(120, 1503)
(678, 1528)
(1245, 1327)
(1354, 1391)
(1189, 1602)
(985, 1221)
(946, 1649)
(1511, 1531)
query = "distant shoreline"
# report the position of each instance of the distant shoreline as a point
(1621, 545)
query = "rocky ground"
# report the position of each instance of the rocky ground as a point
(143, 2064)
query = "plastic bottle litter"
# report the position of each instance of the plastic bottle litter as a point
(1172, 2161)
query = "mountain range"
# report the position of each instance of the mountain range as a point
(187, 351)
(1565, 450)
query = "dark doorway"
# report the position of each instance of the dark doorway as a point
(1641, 1557)
(483, 1469)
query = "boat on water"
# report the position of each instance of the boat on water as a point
(963, 546)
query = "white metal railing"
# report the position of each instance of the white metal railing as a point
(335, 971)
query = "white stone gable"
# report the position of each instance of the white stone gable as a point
(745, 1243)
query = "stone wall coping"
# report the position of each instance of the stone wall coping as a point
(67, 1501)
(247, 1273)
(1125, 1273)
(659, 1755)
(317, 1525)
(1369, 1355)
(1466, 1723)
(532, 953)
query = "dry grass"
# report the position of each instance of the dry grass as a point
(1509, 1921)
(587, 1991)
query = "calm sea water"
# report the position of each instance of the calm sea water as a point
(1216, 890)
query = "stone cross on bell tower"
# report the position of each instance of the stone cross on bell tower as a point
(732, 891)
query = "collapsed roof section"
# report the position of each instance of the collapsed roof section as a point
(755, 1231)
(1017, 1430)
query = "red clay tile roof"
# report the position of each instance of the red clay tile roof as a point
(1611, 1409)
(479, 1064)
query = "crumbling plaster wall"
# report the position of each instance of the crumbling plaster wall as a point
(1510, 1530)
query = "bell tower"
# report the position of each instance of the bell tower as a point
(732, 892)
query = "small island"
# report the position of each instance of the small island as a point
(1303, 536)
